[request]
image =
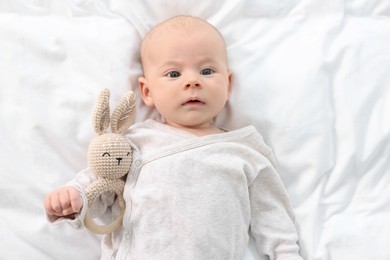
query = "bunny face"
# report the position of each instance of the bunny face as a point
(109, 156)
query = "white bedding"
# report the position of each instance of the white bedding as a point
(312, 76)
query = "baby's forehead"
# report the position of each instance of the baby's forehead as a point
(174, 28)
(176, 25)
(183, 24)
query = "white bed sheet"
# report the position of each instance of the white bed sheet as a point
(312, 76)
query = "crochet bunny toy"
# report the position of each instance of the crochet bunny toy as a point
(109, 155)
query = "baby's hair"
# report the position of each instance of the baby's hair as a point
(178, 23)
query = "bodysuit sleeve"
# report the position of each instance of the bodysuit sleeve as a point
(272, 221)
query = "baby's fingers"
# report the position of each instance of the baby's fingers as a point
(75, 200)
(53, 204)
(64, 200)
(48, 206)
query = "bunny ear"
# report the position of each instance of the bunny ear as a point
(124, 114)
(101, 118)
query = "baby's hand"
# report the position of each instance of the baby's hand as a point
(62, 202)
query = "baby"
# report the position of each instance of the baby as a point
(194, 189)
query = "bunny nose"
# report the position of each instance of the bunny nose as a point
(119, 160)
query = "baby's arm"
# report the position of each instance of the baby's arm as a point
(272, 220)
(70, 202)
(63, 202)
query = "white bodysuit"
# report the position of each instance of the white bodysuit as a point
(190, 197)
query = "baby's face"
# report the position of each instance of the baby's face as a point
(186, 77)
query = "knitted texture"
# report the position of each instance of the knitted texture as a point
(110, 154)
(100, 186)
(101, 118)
(123, 115)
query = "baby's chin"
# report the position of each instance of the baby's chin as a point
(198, 128)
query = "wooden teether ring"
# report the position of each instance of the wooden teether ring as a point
(94, 191)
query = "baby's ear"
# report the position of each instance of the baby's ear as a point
(230, 83)
(145, 92)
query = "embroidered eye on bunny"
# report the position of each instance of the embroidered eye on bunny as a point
(109, 155)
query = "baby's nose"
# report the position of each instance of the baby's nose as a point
(197, 85)
(193, 82)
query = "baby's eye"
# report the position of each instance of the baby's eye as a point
(207, 71)
(106, 154)
(173, 74)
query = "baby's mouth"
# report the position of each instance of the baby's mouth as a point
(193, 102)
